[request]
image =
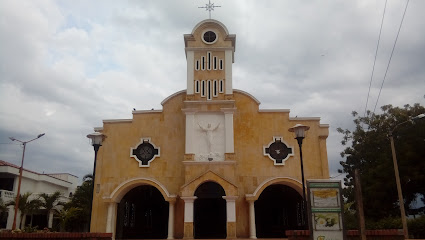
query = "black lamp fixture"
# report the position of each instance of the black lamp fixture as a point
(96, 141)
(299, 131)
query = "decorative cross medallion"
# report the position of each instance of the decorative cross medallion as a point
(278, 151)
(145, 152)
(209, 7)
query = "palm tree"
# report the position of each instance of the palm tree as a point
(88, 178)
(26, 206)
(50, 202)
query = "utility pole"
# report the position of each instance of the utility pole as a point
(24, 144)
(399, 191)
(359, 203)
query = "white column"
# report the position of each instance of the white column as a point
(24, 219)
(114, 220)
(50, 223)
(190, 58)
(230, 208)
(9, 223)
(190, 122)
(228, 60)
(112, 206)
(171, 219)
(252, 231)
(228, 128)
(188, 208)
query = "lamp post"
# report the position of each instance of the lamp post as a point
(24, 144)
(299, 131)
(397, 175)
(96, 141)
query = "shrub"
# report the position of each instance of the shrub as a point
(385, 223)
(29, 229)
(350, 221)
(417, 227)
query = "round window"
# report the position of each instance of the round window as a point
(209, 37)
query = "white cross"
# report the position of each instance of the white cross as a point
(209, 7)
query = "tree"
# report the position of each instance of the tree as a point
(50, 202)
(76, 214)
(370, 152)
(27, 205)
(70, 219)
(83, 196)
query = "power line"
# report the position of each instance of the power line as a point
(336, 175)
(374, 61)
(391, 56)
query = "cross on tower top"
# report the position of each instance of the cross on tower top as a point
(209, 7)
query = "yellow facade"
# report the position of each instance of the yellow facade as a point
(244, 172)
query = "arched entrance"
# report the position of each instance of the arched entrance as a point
(142, 213)
(278, 209)
(210, 211)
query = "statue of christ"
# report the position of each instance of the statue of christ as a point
(209, 132)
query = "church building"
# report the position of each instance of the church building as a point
(211, 163)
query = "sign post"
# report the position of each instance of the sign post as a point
(326, 209)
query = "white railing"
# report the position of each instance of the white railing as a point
(7, 196)
(61, 198)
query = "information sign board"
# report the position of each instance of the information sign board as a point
(326, 209)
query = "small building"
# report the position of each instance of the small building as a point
(34, 183)
(211, 163)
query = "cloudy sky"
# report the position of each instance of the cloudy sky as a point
(67, 65)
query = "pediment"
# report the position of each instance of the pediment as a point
(189, 188)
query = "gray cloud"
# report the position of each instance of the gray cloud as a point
(65, 66)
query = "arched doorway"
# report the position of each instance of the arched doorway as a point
(210, 211)
(278, 209)
(142, 213)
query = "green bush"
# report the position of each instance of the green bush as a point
(385, 223)
(417, 227)
(350, 221)
(29, 229)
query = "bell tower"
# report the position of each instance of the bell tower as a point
(210, 55)
(209, 104)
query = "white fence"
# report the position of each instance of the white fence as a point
(7, 196)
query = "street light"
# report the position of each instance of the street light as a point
(24, 144)
(299, 131)
(397, 175)
(96, 141)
